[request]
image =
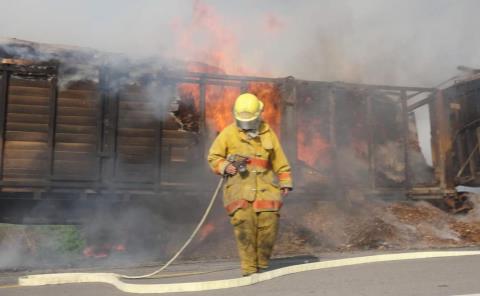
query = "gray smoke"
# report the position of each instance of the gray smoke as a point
(373, 41)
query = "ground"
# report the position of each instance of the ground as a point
(307, 226)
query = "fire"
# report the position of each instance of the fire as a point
(312, 147)
(269, 94)
(209, 41)
(205, 231)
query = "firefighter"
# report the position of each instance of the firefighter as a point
(249, 155)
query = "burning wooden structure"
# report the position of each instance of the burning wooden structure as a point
(69, 145)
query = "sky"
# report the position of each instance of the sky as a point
(400, 42)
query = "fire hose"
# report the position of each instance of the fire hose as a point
(187, 242)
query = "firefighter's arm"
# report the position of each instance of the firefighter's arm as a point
(217, 155)
(280, 164)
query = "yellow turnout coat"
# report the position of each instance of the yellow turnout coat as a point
(268, 169)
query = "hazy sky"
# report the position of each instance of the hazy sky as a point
(397, 42)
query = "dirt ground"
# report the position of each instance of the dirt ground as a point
(328, 226)
(307, 227)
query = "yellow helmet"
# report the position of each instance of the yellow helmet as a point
(247, 111)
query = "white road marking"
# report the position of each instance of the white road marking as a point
(113, 279)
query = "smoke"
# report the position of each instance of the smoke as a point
(372, 41)
(393, 42)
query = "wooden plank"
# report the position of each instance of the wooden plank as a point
(27, 127)
(138, 123)
(75, 129)
(74, 167)
(23, 154)
(26, 136)
(75, 147)
(176, 142)
(27, 118)
(133, 115)
(135, 158)
(137, 141)
(23, 145)
(27, 109)
(28, 100)
(28, 91)
(77, 94)
(76, 111)
(29, 83)
(135, 132)
(127, 169)
(75, 156)
(77, 120)
(75, 138)
(135, 150)
(136, 105)
(31, 164)
(20, 172)
(85, 103)
(177, 134)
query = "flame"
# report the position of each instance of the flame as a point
(205, 231)
(269, 94)
(312, 147)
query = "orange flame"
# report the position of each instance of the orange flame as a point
(269, 94)
(312, 147)
(209, 39)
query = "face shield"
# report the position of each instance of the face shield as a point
(248, 121)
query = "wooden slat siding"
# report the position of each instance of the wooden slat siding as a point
(135, 150)
(135, 139)
(22, 154)
(80, 103)
(75, 147)
(15, 173)
(77, 120)
(26, 109)
(29, 91)
(3, 111)
(77, 94)
(27, 127)
(27, 118)
(76, 138)
(75, 111)
(75, 129)
(21, 145)
(26, 134)
(25, 163)
(75, 156)
(132, 132)
(28, 100)
(29, 83)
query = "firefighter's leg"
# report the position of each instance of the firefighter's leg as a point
(267, 227)
(244, 227)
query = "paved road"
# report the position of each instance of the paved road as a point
(440, 276)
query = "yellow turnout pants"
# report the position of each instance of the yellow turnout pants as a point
(255, 233)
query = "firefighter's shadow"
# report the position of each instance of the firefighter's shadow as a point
(289, 261)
